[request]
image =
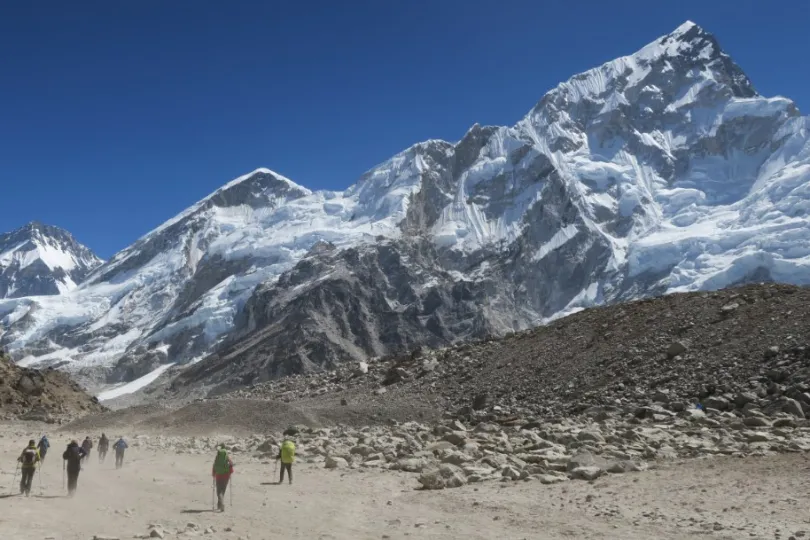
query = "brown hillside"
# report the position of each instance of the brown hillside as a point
(45, 395)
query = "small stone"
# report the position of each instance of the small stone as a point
(728, 308)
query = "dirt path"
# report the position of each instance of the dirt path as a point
(717, 498)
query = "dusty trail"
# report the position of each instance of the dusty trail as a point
(720, 498)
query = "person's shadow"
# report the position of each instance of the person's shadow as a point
(192, 511)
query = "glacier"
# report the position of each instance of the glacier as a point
(662, 171)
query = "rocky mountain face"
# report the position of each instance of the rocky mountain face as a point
(41, 395)
(662, 171)
(39, 259)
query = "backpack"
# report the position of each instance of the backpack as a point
(288, 452)
(29, 457)
(74, 456)
(221, 464)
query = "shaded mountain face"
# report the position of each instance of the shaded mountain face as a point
(657, 172)
(39, 259)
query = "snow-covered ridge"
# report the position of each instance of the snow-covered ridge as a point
(41, 259)
(659, 171)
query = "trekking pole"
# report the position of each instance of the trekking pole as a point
(231, 491)
(213, 494)
(39, 473)
(63, 476)
(14, 480)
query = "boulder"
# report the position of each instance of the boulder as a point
(744, 398)
(716, 402)
(587, 459)
(513, 473)
(31, 384)
(548, 479)
(784, 422)
(587, 473)
(590, 436)
(335, 463)
(625, 466)
(677, 348)
(793, 407)
(480, 402)
(446, 476)
(412, 464)
(756, 421)
(362, 450)
(457, 438)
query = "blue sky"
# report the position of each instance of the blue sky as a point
(114, 116)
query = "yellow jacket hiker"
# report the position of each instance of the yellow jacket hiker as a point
(287, 456)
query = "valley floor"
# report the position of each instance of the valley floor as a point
(721, 498)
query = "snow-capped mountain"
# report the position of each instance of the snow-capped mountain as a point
(656, 172)
(39, 259)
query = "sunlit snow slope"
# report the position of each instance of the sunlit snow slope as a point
(40, 259)
(660, 171)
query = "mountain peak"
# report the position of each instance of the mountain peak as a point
(685, 28)
(40, 259)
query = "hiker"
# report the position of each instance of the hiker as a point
(287, 456)
(87, 445)
(29, 459)
(103, 446)
(119, 447)
(73, 456)
(43, 446)
(222, 471)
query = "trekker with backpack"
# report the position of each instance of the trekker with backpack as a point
(222, 471)
(29, 459)
(73, 456)
(119, 447)
(103, 446)
(287, 456)
(87, 445)
(43, 446)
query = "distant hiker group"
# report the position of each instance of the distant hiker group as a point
(33, 456)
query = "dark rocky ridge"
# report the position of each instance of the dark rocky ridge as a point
(736, 346)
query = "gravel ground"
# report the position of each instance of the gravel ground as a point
(723, 498)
